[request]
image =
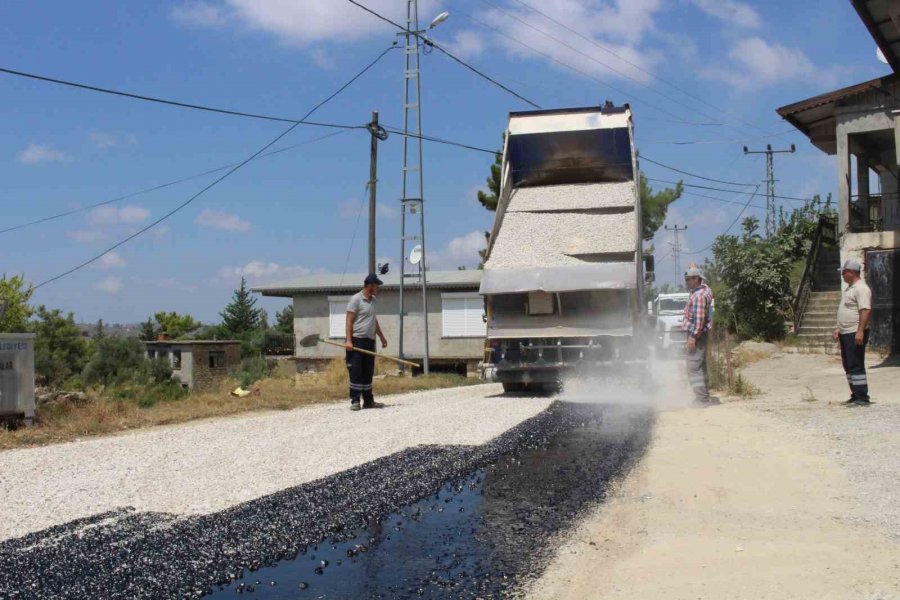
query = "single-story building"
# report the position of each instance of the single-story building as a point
(860, 125)
(456, 326)
(197, 364)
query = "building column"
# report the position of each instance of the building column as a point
(843, 188)
(862, 185)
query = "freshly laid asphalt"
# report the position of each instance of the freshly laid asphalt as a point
(429, 521)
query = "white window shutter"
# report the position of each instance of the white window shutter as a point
(475, 326)
(337, 318)
(461, 316)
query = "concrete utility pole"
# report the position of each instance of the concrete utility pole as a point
(676, 251)
(771, 225)
(378, 133)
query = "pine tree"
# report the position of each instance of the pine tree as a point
(100, 333)
(148, 331)
(284, 319)
(241, 315)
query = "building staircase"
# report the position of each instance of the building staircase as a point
(820, 292)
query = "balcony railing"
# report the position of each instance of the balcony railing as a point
(875, 212)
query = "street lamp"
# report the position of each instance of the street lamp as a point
(439, 19)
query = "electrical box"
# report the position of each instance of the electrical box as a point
(17, 375)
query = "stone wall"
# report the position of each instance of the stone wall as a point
(204, 377)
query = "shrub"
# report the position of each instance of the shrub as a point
(252, 369)
(115, 359)
(159, 370)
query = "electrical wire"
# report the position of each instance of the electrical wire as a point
(719, 141)
(428, 138)
(706, 187)
(168, 184)
(362, 205)
(733, 223)
(435, 45)
(636, 66)
(671, 168)
(208, 187)
(596, 60)
(177, 103)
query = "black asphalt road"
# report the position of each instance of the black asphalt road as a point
(432, 521)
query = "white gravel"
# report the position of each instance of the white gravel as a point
(528, 239)
(210, 465)
(572, 197)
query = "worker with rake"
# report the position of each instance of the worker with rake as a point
(362, 327)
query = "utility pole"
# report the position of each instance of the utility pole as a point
(378, 133)
(412, 200)
(771, 225)
(676, 251)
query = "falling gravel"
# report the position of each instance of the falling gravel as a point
(520, 489)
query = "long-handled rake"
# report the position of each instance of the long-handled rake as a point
(314, 339)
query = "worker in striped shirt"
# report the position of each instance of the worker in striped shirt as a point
(696, 324)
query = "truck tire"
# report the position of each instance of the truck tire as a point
(513, 386)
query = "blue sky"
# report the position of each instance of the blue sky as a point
(295, 212)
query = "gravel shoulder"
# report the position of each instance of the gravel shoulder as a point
(781, 496)
(199, 468)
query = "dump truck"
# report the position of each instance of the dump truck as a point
(564, 272)
(668, 310)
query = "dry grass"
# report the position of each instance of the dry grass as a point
(103, 415)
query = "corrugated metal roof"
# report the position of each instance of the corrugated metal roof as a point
(335, 282)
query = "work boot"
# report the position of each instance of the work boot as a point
(849, 402)
(373, 404)
(354, 406)
(714, 400)
(859, 402)
(698, 403)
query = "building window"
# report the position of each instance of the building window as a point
(337, 316)
(462, 315)
(151, 353)
(176, 360)
(216, 359)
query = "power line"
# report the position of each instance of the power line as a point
(723, 199)
(664, 166)
(177, 103)
(428, 138)
(706, 187)
(165, 185)
(733, 223)
(636, 66)
(449, 54)
(717, 141)
(216, 182)
(596, 60)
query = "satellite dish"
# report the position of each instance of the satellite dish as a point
(415, 255)
(880, 55)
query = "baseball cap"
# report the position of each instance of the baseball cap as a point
(372, 278)
(693, 272)
(851, 264)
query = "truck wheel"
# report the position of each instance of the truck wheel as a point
(513, 386)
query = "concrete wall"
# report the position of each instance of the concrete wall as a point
(17, 374)
(311, 317)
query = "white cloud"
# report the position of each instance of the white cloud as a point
(215, 219)
(110, 285)
(323, 59)
(111, 260)
(85, 236)
(105, 140)
(111, 215)
(160, 231)
(199, 13)
(756, 63)
(467, 43)
(36, 153)
(258, 271)
(731, 11)
(459, 251)
(297, 22)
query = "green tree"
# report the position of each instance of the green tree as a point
(100, 332)
(263, 319)
(284, 320)
(116, 359)
(241, 315)
(490, 198)
(148, 331)
(177, 326)
(655, 206)
(60, 351)
(14, 307)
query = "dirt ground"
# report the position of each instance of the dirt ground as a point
(786, 495)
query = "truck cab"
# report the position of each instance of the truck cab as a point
(668, 309)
